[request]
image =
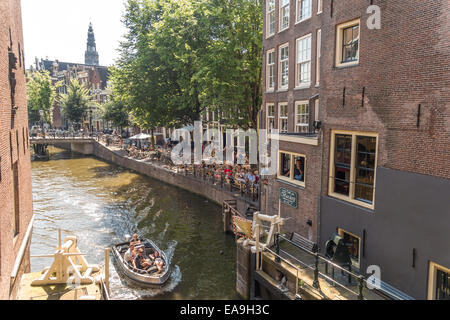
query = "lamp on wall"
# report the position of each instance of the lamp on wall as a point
(14, 110)
(317, 125)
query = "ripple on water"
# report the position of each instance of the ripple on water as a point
(101, 203)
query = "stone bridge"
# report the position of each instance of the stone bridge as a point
(83, 145)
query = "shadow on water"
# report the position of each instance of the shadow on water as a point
(101, 203)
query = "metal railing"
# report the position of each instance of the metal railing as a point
(361, 280)
(64, 135)
(248, 191)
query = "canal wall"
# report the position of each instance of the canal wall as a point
(188, 183)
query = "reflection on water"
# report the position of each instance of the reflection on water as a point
(100, 203)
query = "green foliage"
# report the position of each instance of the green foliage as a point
(116, 113)
(76, 102)
(183, 56)
(41, 95)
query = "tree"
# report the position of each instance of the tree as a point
(76, 102)
(181, 57)
(41, 96)
(115, 113)
(235, 71)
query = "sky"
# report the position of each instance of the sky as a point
(57, 29)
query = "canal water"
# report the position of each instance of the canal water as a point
(101, 203)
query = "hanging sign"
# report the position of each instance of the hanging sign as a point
(289, 197)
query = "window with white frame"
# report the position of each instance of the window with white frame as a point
(284, 14)
(302, 117)
(304, 9)
(270, 71)
(283, 117)
(270, 117)
(319, 6)
(303, 67)
(270, 20)
(284, 67)
(318, 55)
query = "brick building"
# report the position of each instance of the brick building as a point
(363, 115)
(91, 74)
(16, 210)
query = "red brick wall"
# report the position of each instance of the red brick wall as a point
(402, 65)
(10, 18)
(308, 197)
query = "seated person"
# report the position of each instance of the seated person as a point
(159, 262)
(134, 241)
(241, 176)
(298, 172)
(140, 262)
(129, 255)
(151, 255)
(227, 171)
(251, 178)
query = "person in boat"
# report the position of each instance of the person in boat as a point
(159, 262)
(130, 254)
(135, 240)
(140, 262)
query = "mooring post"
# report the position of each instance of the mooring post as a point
(361, 288)
(277, 248)
(316, 273)
(107, 270)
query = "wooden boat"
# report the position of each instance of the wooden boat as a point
(142, 277)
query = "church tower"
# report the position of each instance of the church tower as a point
(91, 55)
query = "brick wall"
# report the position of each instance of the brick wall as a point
(402, 65)
(16, 131)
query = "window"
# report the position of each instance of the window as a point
(303, 10)
(270, 20)
(284, 66)
(318, 55)
(353, 167)
(319, 6)
(270, 117)
(303, 67)
(284, 14)
(365, 168)
(292, 168)
(347, 43)
(270, 70)
(438, 282)
(354, 246)
(302, 117)
(283, 116)
(350, 44)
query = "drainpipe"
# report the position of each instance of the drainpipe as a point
(311, 130)
(311, 100)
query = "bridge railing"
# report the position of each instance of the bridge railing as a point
(64, 135)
